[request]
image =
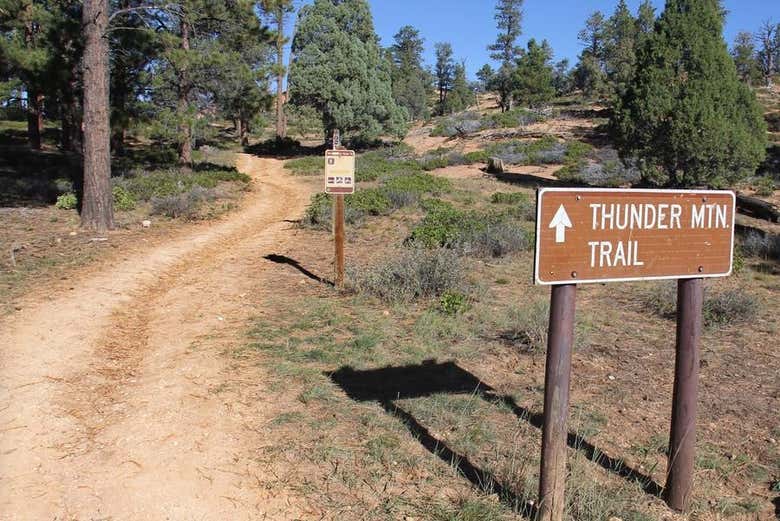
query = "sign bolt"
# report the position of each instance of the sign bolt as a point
(574, 274)
(701, 269)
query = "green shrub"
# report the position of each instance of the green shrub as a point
(369, 201)
(509, 198)
(469, 232)
(444, 226)
(514, 118)
(164, 183)
(730, 306)
(434, 163)
(318, 213)
(184, 205)
(765, 187)
(66, 201)
(123, 199)
(720, 308)
(419, 183)
(412, 274)
(309, 165)
(453, 302)
(478, 156)
(577, 150)
(385, 162)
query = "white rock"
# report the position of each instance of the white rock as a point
(146, 224)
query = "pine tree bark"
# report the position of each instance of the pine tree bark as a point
(185, 129)
(34, 119)
(97, 209)
(34, 96)
(243, 131)
(281, 118)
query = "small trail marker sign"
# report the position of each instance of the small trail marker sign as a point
(595, 235)
(340, 171)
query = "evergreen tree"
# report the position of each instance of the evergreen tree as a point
(485, 77)
(409, 89)
(338, 68)
(461, 96)
(645, 18)
(744, 55)
(534, 75)
(134, 49)
(590, 75)
(509, 17)
(620, 48)
(686, 115)
(27, 53)
(277, 11)
(242, 60)
(563, 78)
(445, 72)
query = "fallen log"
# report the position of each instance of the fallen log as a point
(758, 208)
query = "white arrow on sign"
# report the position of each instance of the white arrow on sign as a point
(560, 222)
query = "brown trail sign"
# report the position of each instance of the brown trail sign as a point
(594, 235)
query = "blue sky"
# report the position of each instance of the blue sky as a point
(469, 25)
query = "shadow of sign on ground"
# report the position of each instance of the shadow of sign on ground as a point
(389, 384)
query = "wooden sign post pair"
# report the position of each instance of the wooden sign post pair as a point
(594, 235)
(339, 181)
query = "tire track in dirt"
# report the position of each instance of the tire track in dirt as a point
(116, 401)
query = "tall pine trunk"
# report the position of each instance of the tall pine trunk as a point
(97, 209)
(183, 104)
(34, 118)
(281, 119)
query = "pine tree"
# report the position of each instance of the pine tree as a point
(509, 17)
(686, 115)
(620, 48)
(534, 75)
(461, 96)
(590, 75)
(27, 54)
(134, 48)
(242, 62)
(645, 17)
(485, 77)
(338, 68)
(744, 55)
(189, 63)
(409, 89)
(563, 78)
(277, 11)
(445, 72)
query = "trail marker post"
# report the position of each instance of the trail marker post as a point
(594, 235)
(339, 181)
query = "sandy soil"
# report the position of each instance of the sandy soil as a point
(115, 401)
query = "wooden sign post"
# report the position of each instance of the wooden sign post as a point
(339, 180)
(594, 235)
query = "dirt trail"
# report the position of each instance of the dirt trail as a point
(115, 399)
